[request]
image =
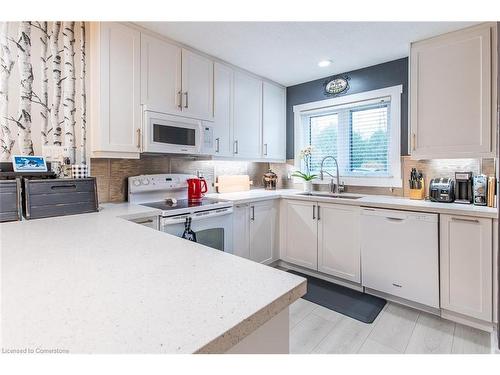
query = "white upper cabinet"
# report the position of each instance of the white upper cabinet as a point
(197, 86)
(115, 107)
(223, 109)
(175, 80)
(247, 126)
(273, 122)
(466, 266)
(160, 75)
(452, 88)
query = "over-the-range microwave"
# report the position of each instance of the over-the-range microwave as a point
(163, 133)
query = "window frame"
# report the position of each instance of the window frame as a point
(302, 113)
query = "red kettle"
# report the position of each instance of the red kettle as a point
(196, 188)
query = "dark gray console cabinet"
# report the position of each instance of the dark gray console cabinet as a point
(59, 197)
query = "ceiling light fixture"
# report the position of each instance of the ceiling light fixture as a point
(324, 63)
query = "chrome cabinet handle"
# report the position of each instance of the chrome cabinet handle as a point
(465, 220)
(179, 94)
(138, 138)
(253, 213)
(414, 141)
(265, 149)
(319, 218)
(235, 148)
(186, 105)
(217, 144)
(314, 212)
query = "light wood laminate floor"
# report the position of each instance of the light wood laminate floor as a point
(397, 330)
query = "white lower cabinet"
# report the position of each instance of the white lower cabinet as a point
(322, 237)
(338, 241)
(263, 218)
(254, 231)
(466, 266)
(241, 230)
(299, 233)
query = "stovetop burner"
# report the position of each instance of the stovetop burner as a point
(168, 205)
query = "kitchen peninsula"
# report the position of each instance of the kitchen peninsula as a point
(112, 286)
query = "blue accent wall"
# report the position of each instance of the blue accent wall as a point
(374, 77)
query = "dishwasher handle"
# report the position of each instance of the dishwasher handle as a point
(395, 219)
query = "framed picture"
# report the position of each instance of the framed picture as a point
(23, 163)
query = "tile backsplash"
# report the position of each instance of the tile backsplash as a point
(112, 174)
(429, 168)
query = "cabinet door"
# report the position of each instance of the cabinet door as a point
(273, 122)
(119, 80)
(247, 116)
(451, 95)
(241, 228)
(197, 86)
(263, 218)
(223, 109)
(299, 233)
(160, 75)
(338, 241)
(466, 266)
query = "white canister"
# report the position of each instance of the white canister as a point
(79, 171)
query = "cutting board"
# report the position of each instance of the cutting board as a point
(233, 183)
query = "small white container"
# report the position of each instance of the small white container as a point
(79, 171)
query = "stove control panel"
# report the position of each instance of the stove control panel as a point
(153, 182)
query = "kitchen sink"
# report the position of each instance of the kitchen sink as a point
(331, 195)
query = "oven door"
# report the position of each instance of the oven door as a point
(171, 134)
(212, 231)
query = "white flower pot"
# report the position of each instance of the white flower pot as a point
(308, 186)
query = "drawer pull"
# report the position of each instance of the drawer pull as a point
(466, 220)
(145, 221)
(56, 187)
(397, 285)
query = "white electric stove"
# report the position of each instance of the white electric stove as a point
(211, 219)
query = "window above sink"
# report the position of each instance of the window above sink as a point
(362, 131)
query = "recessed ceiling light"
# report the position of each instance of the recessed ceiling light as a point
(324, 63)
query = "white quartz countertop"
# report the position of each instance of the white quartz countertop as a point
(376, 201)
(96, 283)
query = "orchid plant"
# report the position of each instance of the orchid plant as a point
(305, 154)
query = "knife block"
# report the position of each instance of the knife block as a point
(418, 194)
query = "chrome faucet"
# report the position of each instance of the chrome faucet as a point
(334, 188)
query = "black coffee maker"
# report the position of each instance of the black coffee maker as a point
(463, 187)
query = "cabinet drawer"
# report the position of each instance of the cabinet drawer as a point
(34, 187)
(48, 198)
(9, 200)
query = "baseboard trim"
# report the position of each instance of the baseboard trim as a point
(405, 302)
(468, 321)
(284, 265)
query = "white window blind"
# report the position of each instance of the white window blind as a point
(357, 134)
